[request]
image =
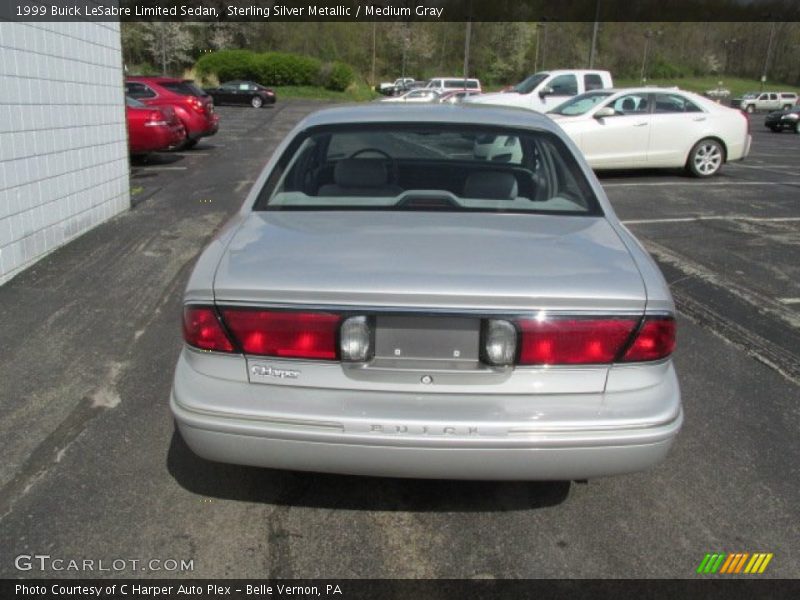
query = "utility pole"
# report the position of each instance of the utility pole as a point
(466, 52)
(769, 51)
(647, 35)
(163, 48)
(374, 36)
(596, 27)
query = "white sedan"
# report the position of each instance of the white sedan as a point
(415, 96)
(654, 128)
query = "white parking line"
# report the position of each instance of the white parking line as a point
(698, 184)
(776, 169)
(789, 300)
(190, 153)
(713, 218)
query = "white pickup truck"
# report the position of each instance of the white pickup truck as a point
(547, 89)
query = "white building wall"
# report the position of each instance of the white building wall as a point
(63, 137)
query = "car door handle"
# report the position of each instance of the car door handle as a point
(699, 119)
(642, 124)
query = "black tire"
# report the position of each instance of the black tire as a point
(750, 109)
(189, 143)
(705, 158)
(256, 102)
(775, 128)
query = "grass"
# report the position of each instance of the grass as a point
(355, 93)
(736, 85)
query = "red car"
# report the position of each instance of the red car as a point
(193, 107)
(152, 129)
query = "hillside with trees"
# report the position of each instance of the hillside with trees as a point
(500, 53)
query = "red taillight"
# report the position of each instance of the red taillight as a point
(202, 329)
(284, 333)
(573, 341)
(655, 340)
(155, 118)
(197, 104)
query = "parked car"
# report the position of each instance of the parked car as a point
(758, 101)
(779, 120)
(456, 97)
(391, 88)
(452, 84)
(402, 88)
(497, 148)
(448, 317)
(652, 127)
(152, 129)
(242, 92)
(545, 90)
(718, 94)
(415, 96)
(193, 107)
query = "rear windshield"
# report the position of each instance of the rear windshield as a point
(428, 167)
(184, 88)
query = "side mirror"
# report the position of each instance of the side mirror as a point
(604, 112)
(545, 91)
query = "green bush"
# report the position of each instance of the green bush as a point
(339, 77)
(228, 64)
(661, 69)
(275, 69)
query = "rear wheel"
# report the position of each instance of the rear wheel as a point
(775, 128)
(256, 102)
(750, 108)
(705, 158)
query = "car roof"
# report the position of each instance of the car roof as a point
(156, 79)
(465, 114)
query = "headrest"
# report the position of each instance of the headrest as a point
(360, 172)
(491, 185)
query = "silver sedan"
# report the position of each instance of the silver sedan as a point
(387, 302)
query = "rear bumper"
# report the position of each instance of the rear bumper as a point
(503, 450)
(207, 128)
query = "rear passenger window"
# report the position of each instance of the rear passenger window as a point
(592, 82)
(185, 88)
(138, 90)
(564, 85)
(672, 103)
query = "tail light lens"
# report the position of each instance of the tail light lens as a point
(573, 341)
(202, 329)
(655, 340)
(197, 104)
(284, 333)
(155, 118)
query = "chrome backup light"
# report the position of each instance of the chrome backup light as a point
(500, 342)
(356, 339)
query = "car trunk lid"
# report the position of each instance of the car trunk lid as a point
(429, 261)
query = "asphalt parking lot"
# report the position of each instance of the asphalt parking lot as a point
(93, 469)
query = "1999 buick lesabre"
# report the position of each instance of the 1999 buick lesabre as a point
(389, 302)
